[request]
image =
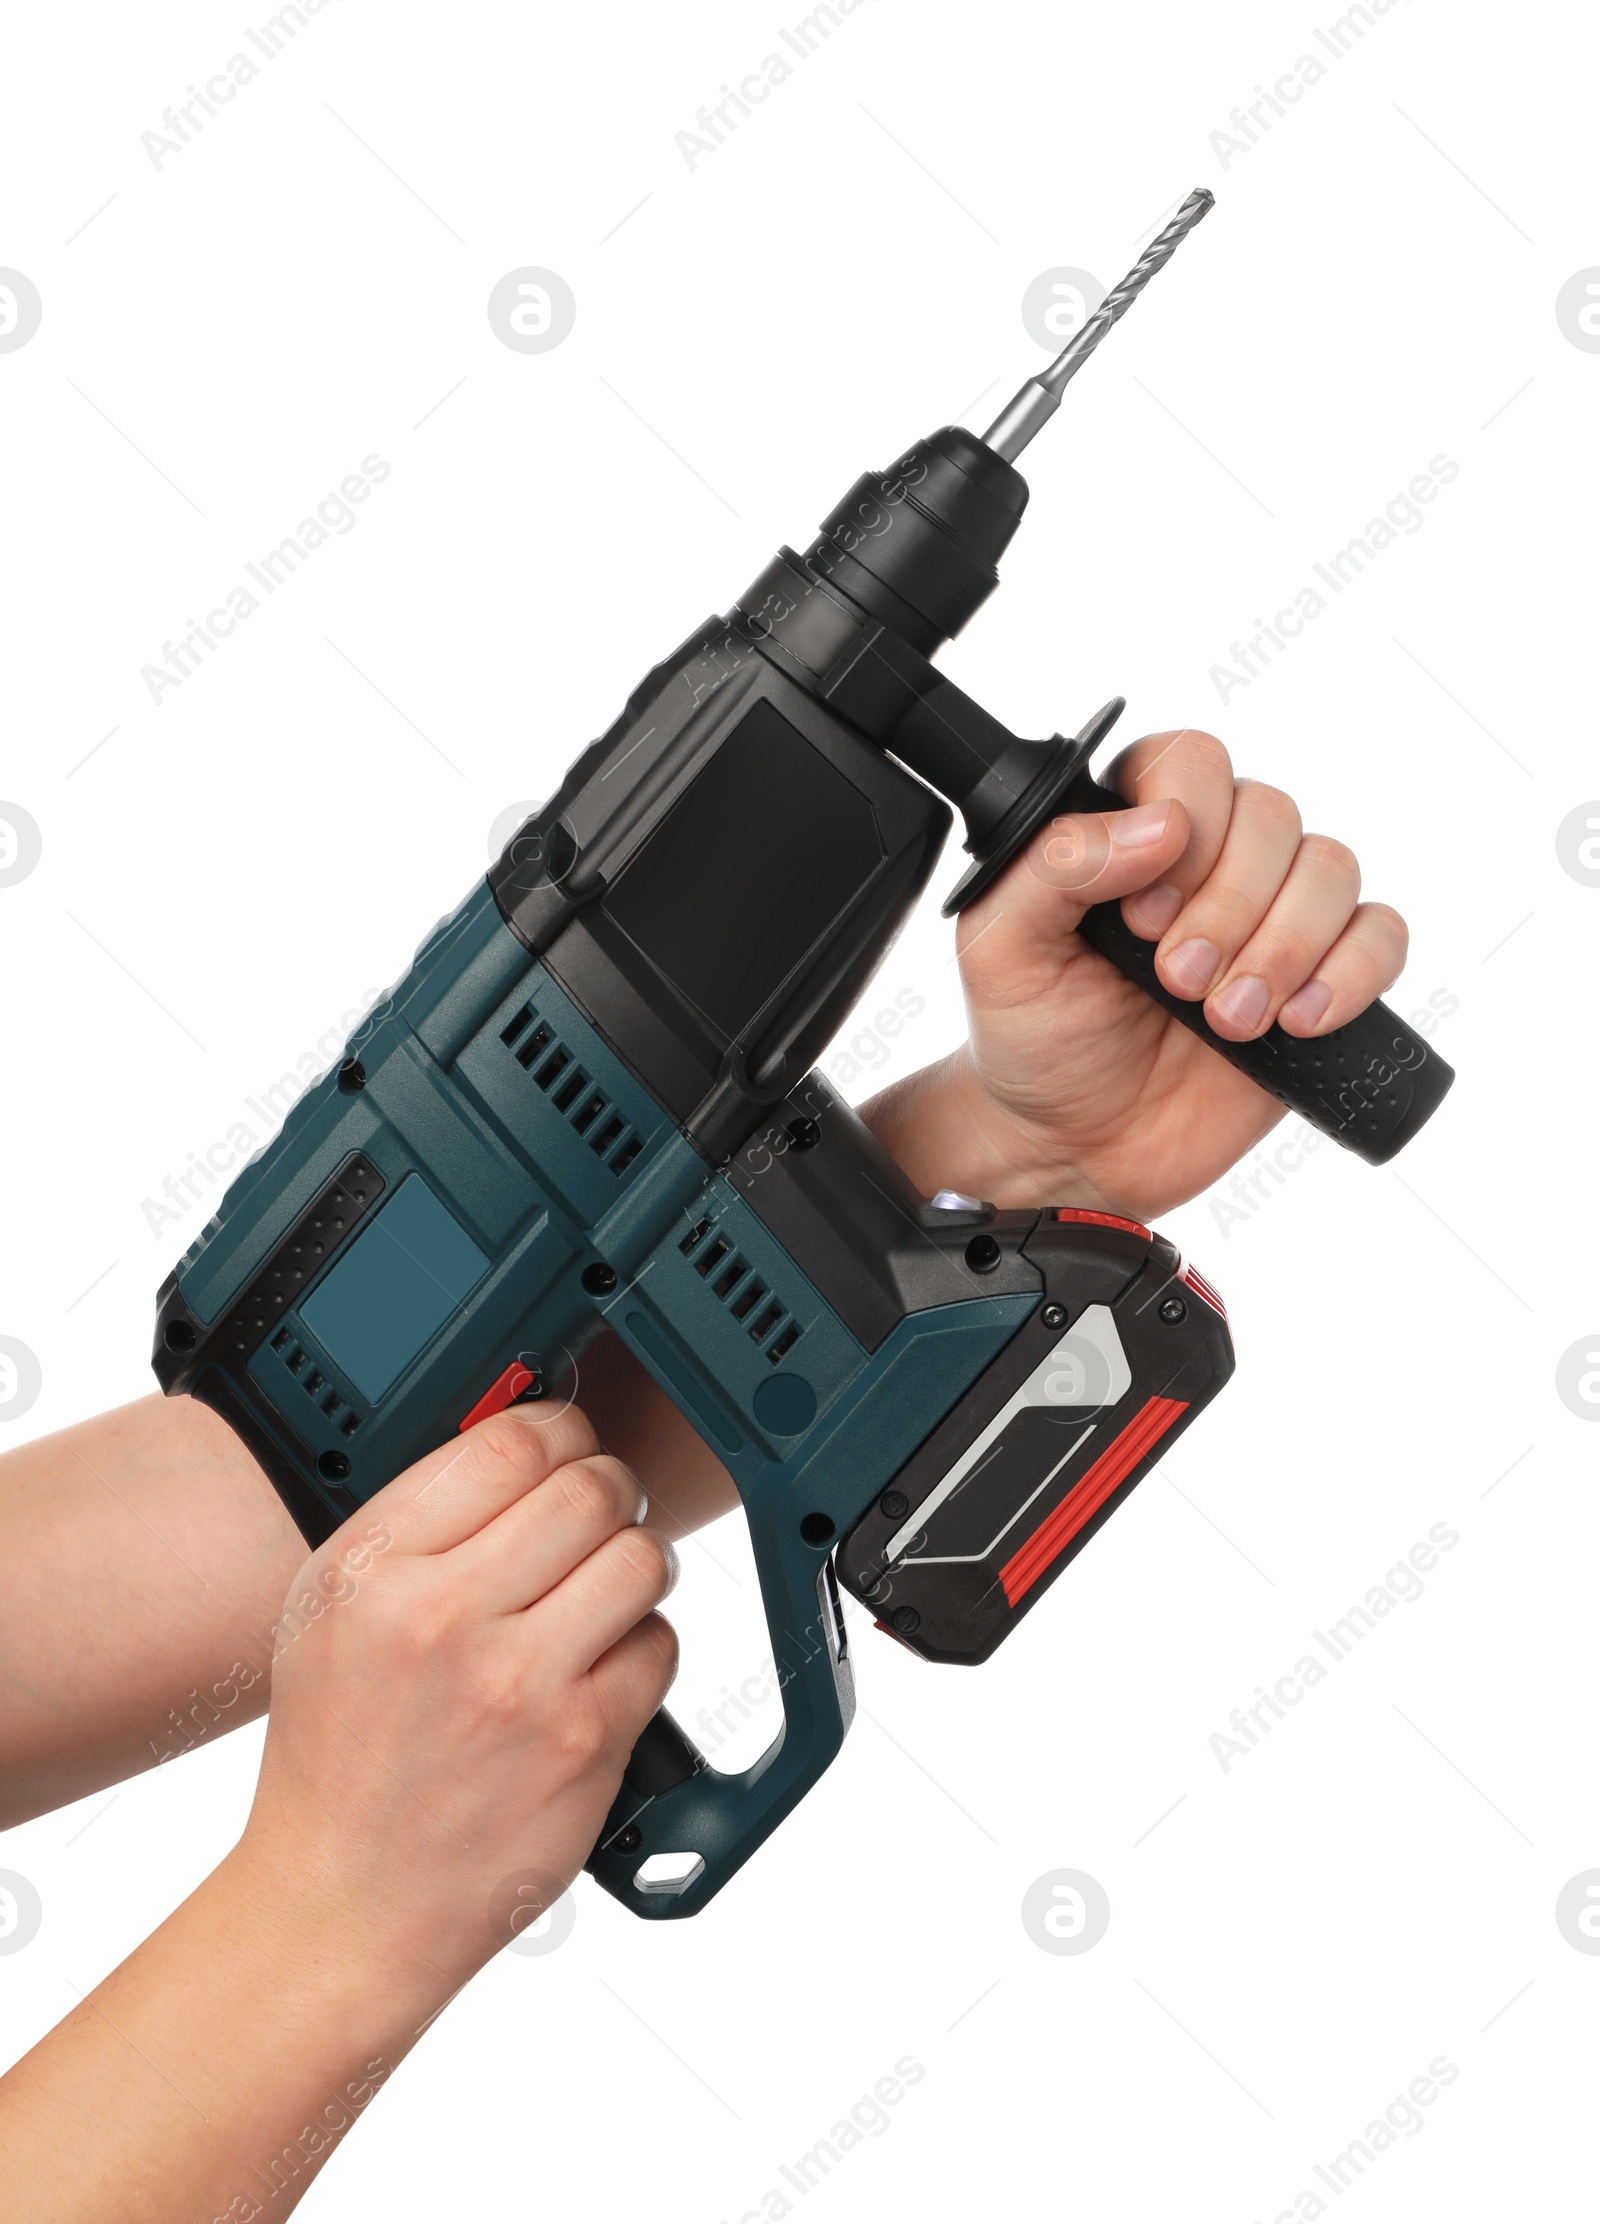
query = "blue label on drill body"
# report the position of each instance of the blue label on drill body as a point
(402, 1278)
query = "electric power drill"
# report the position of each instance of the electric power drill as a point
(589, 1103)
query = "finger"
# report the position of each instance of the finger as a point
(1306, 917)
(1013, 941)
(1193, 768)
(632, 1680)
(452, 1493)
(1367, 958)
(1010, 940)
(601, 1600)
(1213, 925)
(541, 1537)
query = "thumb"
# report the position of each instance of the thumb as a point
(1080, 859)
(1094, 856)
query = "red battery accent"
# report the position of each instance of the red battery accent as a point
(1197, 1282)
(1023, 1570)
(1102, 1220)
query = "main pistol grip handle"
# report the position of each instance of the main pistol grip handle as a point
(673, 1802)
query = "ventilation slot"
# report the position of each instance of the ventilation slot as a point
(314, 1382)
(571, 1090)
(740, 1288)
(603, 1138)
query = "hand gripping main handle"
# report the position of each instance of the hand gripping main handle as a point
(1370, 1084)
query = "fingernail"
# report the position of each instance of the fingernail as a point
(1243, 1003)
(1154, 909)
(1140, 827)
(1307, 1005)
(674, 1567)
(1193, 965)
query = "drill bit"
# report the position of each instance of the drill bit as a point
(1040, 398)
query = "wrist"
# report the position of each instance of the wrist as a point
(366, 1968)
(945, 1131)
(919, 1122)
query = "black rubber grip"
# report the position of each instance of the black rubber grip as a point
(662, 1758)
(1370, 1084)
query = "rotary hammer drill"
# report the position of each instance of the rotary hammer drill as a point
(589, 1103)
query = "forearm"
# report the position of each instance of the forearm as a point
(144, 1558)
(638, 1423)
(214, 2072)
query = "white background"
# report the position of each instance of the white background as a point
(1292, 1941)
